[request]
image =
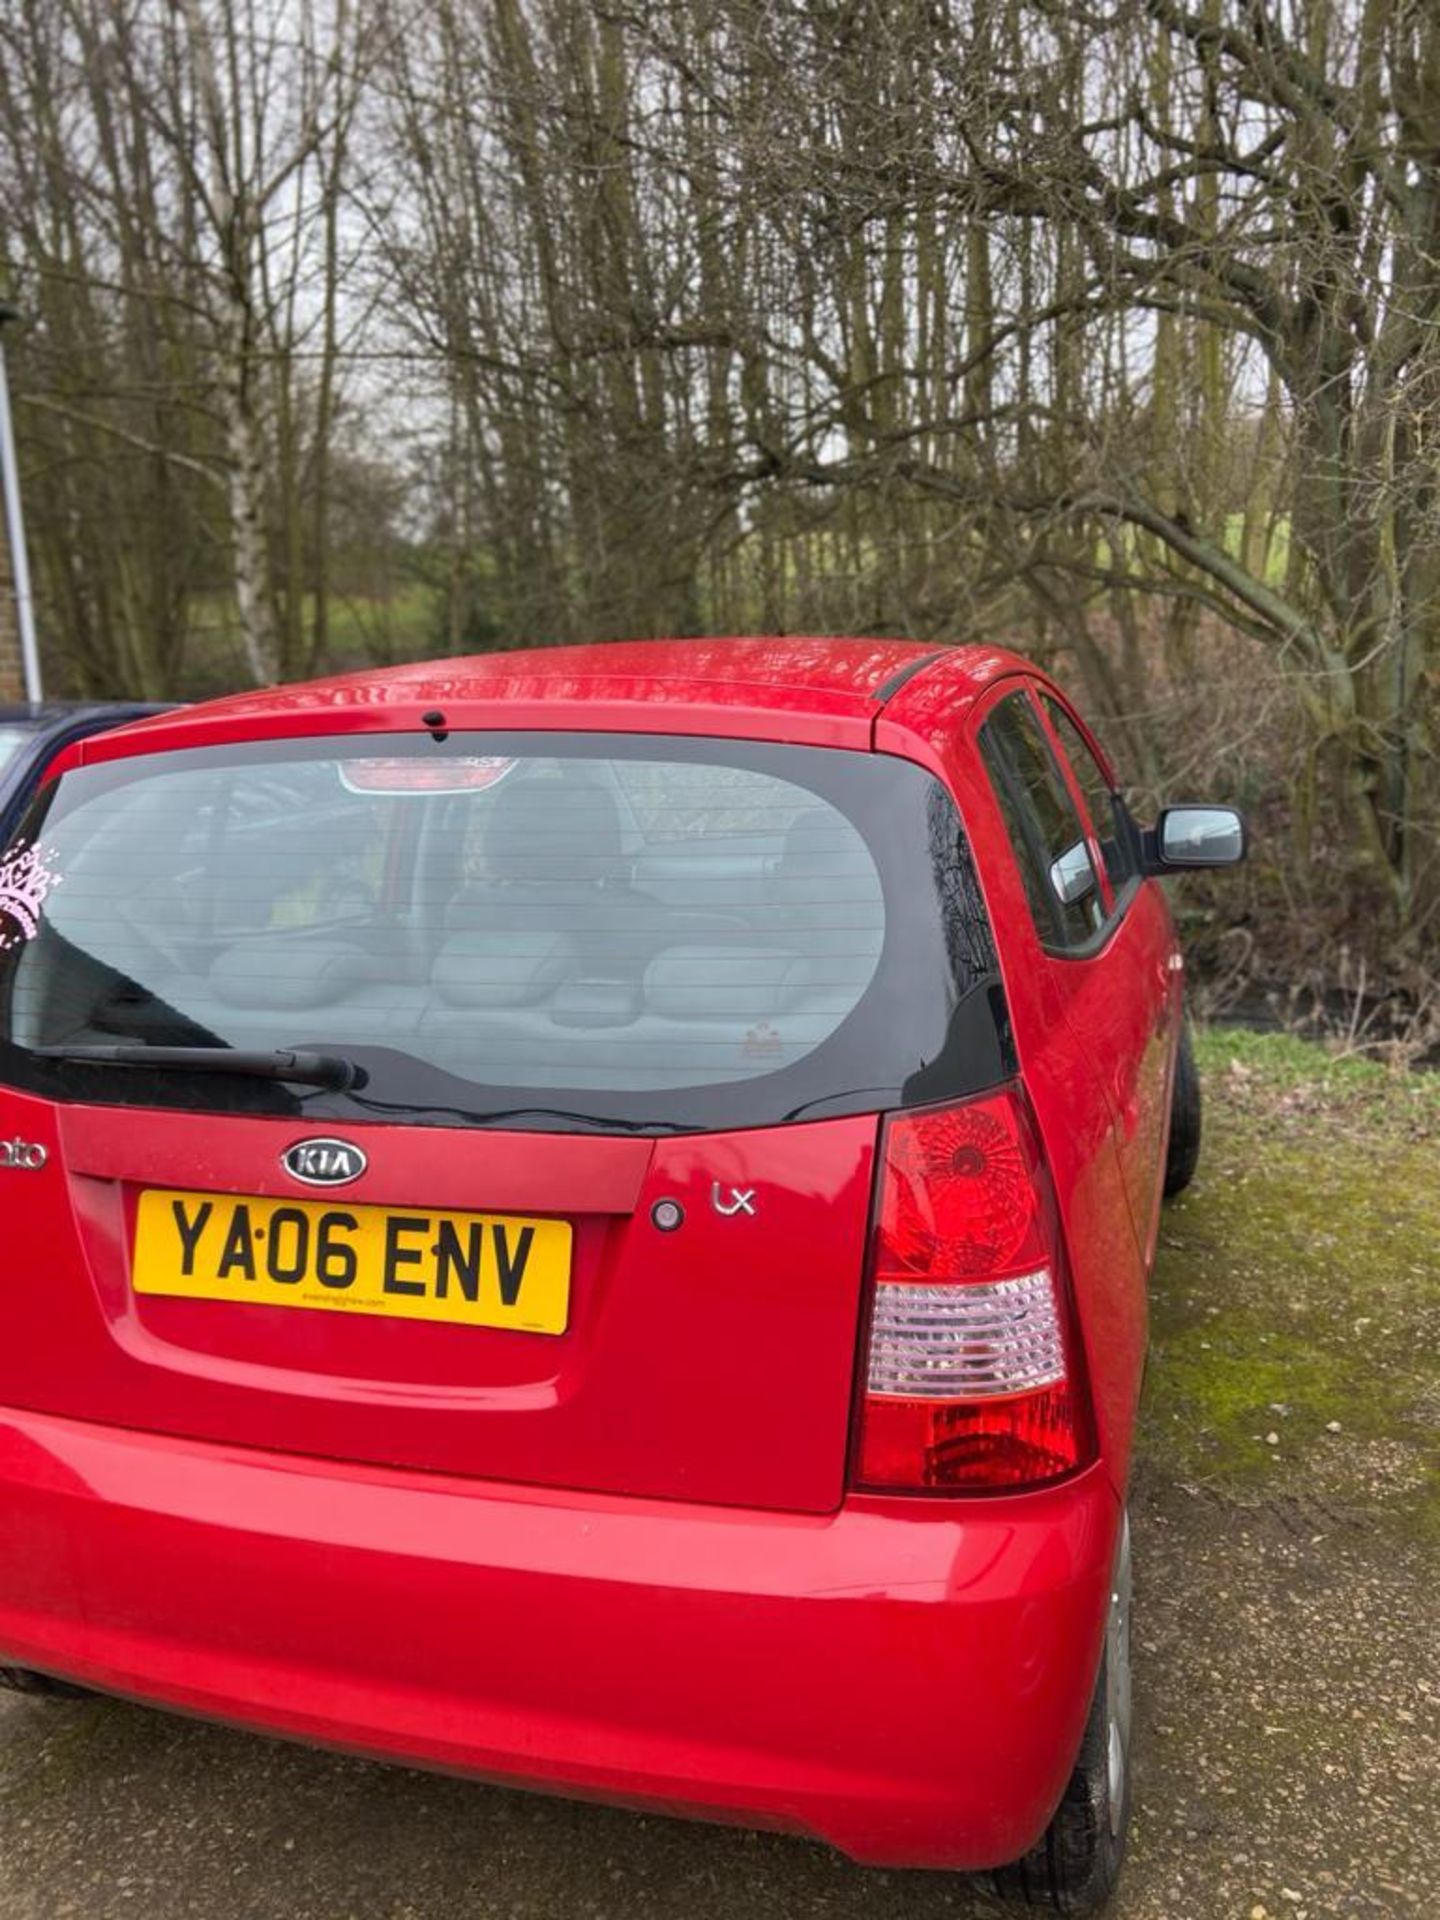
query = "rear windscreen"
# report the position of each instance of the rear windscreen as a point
(604, 929)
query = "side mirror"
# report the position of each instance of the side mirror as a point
(1071, 875)
(1196, 837)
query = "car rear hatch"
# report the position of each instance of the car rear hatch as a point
(617, 1015)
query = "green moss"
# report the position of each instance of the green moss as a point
(1298, 1284)
(1229, 1388)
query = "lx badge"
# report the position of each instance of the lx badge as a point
(742, 1200)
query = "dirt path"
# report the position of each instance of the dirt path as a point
(1288, 1611)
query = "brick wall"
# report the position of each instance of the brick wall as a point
(12, 685)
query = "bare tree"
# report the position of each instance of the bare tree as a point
(1108, 326)
(255, 100)
(190, 181)
(1171, 227)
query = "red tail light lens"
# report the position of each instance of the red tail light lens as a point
(972, 1375)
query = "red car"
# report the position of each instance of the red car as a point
(583, 1218)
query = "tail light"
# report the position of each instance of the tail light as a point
(972, 1376)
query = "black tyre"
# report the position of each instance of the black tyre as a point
(1183, 1154)
(1074, 1866)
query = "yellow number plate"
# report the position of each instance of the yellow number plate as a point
(481, 1270)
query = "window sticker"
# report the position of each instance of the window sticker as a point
(762, 1042)
(26, 881)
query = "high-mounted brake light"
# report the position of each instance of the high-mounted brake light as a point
(473, 775)
(972, 1370)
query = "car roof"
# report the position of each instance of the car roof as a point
(802, 687)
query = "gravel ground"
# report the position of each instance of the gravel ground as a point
(1288, 1614)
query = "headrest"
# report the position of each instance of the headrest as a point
(553, 832)
(288, 975)
(724, 983)
(821, 843)
(493, 969)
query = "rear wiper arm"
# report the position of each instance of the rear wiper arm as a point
(302, 1069)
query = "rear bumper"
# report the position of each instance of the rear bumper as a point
(905, 1681)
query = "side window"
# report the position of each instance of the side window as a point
(1045, 830)
(1099, 797)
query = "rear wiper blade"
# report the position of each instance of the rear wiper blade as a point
(302, 1069)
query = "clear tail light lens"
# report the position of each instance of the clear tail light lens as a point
(971, 1377)
(967, 1342)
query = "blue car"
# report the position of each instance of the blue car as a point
(31, 736)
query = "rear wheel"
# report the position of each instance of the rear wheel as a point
(1074, 1866)
(1183, 1154)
